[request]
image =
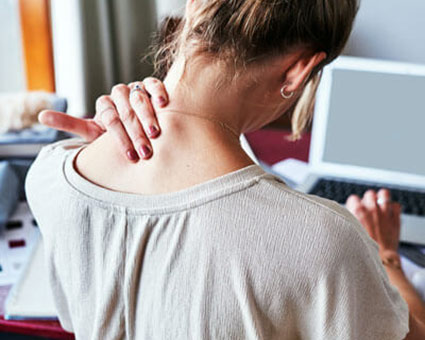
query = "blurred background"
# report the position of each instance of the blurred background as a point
(64, 54)
(81, 48)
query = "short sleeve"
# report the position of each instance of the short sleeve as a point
(45, 177)
(44, 186)
(353, 297)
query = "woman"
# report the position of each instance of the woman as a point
(198, 242)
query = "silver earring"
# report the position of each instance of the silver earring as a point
(284, 95)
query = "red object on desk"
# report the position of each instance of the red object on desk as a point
(47, 329)
(270, 146)
(16, 243)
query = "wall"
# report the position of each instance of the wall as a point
(169, 7)
(390, 29)
(386, 29)
(11, 61)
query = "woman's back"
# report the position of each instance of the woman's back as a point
(235, 257)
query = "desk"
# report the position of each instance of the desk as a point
(270, 146)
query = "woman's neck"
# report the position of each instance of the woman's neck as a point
(197, 143)
(194, 89)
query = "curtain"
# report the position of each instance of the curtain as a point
(97, 44)
(117, 36)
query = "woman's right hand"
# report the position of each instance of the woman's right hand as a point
(128, 113)
(379, 216)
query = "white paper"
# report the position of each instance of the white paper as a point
(31, 297)
(247, 148)
(293, 169)
(12, 260)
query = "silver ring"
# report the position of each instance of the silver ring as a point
(382, 201)
(137, 88)
(284, 95)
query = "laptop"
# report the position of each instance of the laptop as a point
(369, 133)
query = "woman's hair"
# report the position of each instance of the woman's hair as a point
(242, 32)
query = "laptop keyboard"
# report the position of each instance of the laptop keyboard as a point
(412, 202)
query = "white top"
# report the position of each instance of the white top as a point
(241, 256)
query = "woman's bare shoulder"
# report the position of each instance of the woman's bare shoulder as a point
(101, 162)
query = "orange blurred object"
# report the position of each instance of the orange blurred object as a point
(37, 44)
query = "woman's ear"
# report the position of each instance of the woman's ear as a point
(299, 72)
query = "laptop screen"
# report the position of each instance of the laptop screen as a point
(376, 120)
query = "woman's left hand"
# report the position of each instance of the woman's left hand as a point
(379, 216)
(127, 113)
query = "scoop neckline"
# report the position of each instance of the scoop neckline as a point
(179, 200)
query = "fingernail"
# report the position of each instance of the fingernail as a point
(132, 155)
(153, 131)
(145, 151)
(162, 101)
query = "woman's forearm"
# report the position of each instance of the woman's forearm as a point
(407, 291)
(413, 299)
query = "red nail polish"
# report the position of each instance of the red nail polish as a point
(132, 155)
(145, 151)
(153, 131)
(162, 101)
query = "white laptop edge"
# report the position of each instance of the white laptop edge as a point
(316, 163)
